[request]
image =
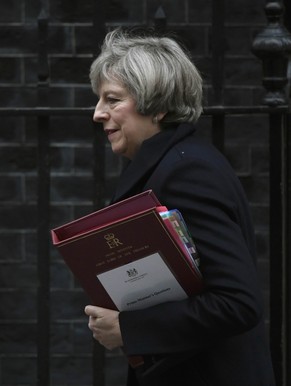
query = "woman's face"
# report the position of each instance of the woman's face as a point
(125, 128)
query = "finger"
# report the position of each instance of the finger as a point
(91, 311)
(92, 323)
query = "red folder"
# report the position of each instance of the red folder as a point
(143, 201)
(122, 246)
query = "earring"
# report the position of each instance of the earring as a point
(155, 120)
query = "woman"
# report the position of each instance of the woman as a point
(149, 99)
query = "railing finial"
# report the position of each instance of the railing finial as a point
(272, 46)
(160, 19)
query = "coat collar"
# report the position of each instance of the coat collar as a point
(152, 150)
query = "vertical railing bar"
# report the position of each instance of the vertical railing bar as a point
(43, 207)
(98, 166)
(218, 131)
(284, 193)
(276, 245)
(43, 305)
(99, 31)
(217, 47)
(286, 212)
(273, 46)
(98, 362)
(287, 13)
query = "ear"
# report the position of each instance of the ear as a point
(160, 116)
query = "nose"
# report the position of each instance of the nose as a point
(100, 114)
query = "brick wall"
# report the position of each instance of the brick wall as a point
(71, 43)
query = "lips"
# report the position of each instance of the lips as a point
(110, 132)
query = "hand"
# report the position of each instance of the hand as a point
(104, 324)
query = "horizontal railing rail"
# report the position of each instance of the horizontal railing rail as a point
(208, 110)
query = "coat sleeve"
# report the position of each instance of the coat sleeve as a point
(215, 209)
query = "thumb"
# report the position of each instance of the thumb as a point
(91, 311)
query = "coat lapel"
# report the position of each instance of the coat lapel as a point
(137, 172)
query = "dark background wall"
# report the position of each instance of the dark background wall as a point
(72, 42)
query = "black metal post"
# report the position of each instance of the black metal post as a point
(99, 32)
(43, 206)
(288, 244)
(98, 358)
(277, 253)
(218, 48)
(273, 45)
(287, 14)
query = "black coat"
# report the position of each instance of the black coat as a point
(218, 337)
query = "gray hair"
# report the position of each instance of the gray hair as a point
(156, 71)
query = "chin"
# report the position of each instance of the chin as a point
(118, 151)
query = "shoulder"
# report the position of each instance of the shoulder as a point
(195, 164)
(195, 151)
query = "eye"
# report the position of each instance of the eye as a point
(112, 100)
